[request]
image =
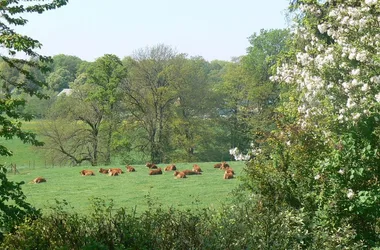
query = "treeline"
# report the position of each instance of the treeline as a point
(155, 105)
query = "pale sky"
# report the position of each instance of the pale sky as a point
(213, 29)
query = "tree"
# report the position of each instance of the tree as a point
(82, 124)
(149, 95)
(10, 115)
(105, 76)
(193, 108)
(70, 63)
(64, 71)
(249, 106)
(59, 79)
(324, 160)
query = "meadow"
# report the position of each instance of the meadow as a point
(133, 190)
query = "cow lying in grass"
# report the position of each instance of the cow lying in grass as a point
(151, 165)
(39, 180)
(190, 172)
(155, 171)
(228, 175)
(103, 171)
(230, 170)
(217, 165)
(171, 167)
(130, 169)
(113, 172)
(117, 170)
(179, 175)
(197, 168)
(224, 165)
(85, 172)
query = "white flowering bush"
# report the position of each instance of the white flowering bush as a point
(336, 71)
(324, 158)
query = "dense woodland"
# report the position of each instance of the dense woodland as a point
(303, 103)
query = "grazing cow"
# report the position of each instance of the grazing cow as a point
(228, 175)
(179, 175)
(151, 165)
(130, 169)
(103, 171)
(118, 170)
(217, 165)
(113, 172)
(39, 180)
(224, 165)
(155, 171)
(86, 172)
(171, 167)
(190, 172)
(197, 168)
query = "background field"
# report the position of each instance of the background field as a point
(130, 190)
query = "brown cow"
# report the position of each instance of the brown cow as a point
(179, 174)
(224, 165)
(170, 167)
(217, 165)
(118, 170)
(190, 172)
(197, 168)
(39, 180)
(103, 171)
(85, 172)
(228, 175)
(130, 169)
(151, 165)
(229, 170)
(155, 171)
(113, 172)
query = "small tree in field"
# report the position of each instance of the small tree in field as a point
(13, 207)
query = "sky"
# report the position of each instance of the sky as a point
(213, 29)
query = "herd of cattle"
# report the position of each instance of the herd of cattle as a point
(155, 170)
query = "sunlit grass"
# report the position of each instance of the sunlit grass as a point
(130, 190)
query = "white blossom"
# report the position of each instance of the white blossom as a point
(350, 194)
(351, 58)
(322, 28)
(370, 2)
(377, 97)
(365, 87)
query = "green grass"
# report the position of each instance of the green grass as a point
(129, 190)
(24, 155)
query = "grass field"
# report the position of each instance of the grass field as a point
(130, 190)
(25, 155)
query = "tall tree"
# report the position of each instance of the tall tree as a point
(149, 94)
(193, 108)
(105, 76)
(11, 43)
(250, 106)
(91, 115)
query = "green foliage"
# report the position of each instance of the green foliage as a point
(59, 79)
(13, 207)
(321, 164)
(252, 98)
(231, 227)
